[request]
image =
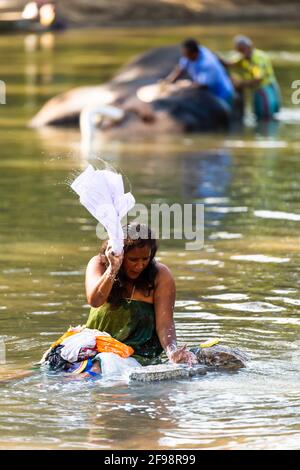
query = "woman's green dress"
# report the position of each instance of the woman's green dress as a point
(133, 323)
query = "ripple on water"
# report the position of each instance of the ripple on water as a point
(43, 312)
(289, 57)
(220, 287)
(215, 200)
(260, 258)
(66, 273)
(185, 303)
(254, 307)
(16, 271)
(226, 210)
(186, 278)
(193, 307)
(227, 297)
(87, 228)
(206, 262)
(50, 333)
(277, 215)
(260, 318)
(77, 220)
(209, 316)
(259, 144)
(184, 315)
(286, 300)
(256, 419)
(290, 115)
(284, 291)
(36, 294)
(225, 236)
(51, 304)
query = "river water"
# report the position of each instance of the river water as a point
(243, 286)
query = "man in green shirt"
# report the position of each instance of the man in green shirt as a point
(255, 72)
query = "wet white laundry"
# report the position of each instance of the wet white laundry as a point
(72, 344)
(113, 365)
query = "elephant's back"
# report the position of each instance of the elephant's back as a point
(195, 109)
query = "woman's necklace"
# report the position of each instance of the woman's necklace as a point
(132, 294)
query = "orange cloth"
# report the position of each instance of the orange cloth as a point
(109, 344)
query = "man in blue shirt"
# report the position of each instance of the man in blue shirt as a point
(205, 71)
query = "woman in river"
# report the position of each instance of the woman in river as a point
(132, 298)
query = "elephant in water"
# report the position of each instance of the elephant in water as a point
(177, 108)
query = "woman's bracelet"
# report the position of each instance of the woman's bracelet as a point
(171, 348)
(111, 274)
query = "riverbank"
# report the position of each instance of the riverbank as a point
(174, 12)
(100, 13)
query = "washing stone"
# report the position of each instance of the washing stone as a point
(165, 372)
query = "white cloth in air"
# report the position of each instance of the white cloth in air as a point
(101, 192)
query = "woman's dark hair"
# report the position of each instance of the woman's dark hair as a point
(135, 236)
(191, 45)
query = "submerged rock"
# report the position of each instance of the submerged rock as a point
(221, 357)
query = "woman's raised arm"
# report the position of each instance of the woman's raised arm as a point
(99, 278)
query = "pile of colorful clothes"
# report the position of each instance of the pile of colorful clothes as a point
(75, 351)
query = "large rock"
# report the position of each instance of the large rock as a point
(221, 357)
